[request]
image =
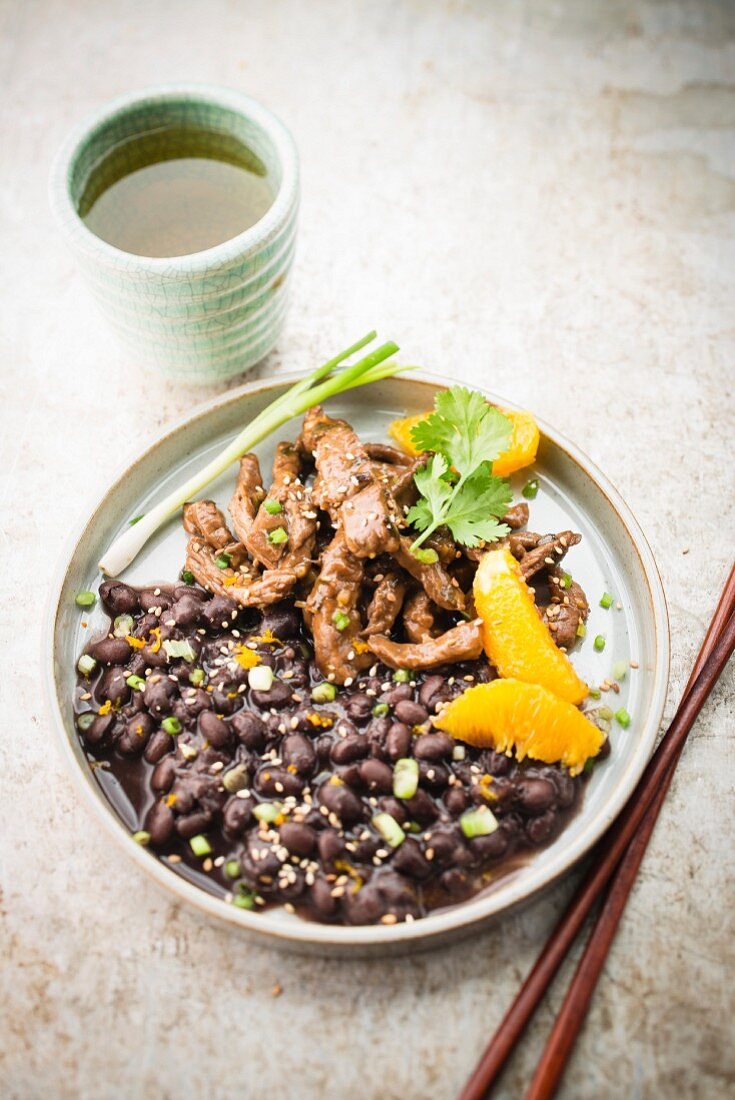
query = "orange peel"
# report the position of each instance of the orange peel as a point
(524, 440)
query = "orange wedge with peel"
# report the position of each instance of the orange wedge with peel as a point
(517, 641)
(524, 719)
(524, 440)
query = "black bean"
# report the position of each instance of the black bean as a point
(495, 763)
(385, 892)
(448, 846)
(263, 860)
(398, 742)
(277, 782)
(377, 776)
(282, 620)
(159, 823)
(413, 714)
(226, 699)
(345, 750)
(566, 789)
(111, 651)
(300, 839)
(278, 695)
(159, 694)
(184, 798)
(194, 701)
(394, 695)
(359, 707)
(191, 590)
(320, 897)
(410, 859)
(433, 746)
(431, 691)
(330, 845)
(189, 825)
(432, 775)
(186, 611)
(298, 752)
(323, 747)
(101, 725)
(292, 886)
(219, 613)
(154, 656)
(249, 729)
(455, 881)
(238, 814)
(159, 745)
(396, 809)
(422, 808)
(112, 685)
(534, 796)
(135, 734)
(149, 599)
(214, 729)
(540, 829)
(492, 846)
(164, 773)
(340, 800)
(366, 848)
(455, 799)
(118, 598)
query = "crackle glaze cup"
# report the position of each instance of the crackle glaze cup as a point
(204, 317)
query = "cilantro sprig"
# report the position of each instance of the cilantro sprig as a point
(458, 488)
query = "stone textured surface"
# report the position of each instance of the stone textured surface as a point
(539, 195)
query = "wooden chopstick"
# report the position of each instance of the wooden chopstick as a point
(609, 851)
(577, 999)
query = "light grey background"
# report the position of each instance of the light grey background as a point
(539, 196)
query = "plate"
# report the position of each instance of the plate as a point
(613, 557)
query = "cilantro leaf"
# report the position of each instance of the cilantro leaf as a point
(463, 428)
(435, 493)
(477, 506)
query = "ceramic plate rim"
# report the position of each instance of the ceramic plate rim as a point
(434, 928)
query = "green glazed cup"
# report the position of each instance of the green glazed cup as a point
(208, 316)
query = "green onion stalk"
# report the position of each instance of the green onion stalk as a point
(309, 391)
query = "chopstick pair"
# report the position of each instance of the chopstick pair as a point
(615, 864)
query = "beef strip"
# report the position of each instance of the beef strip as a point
(203, 518)
(549, 551)
(297, 518)
(385, 453)
(438, 584)
(342, 463)
(461, 643)
(517, 516)
(243, 585)
(248, 496)
(568, 608)
(418, 617)
(369, 521)
(385, 604)
(340, 654)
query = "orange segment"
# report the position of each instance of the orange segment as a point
(521, 452)
(517, 641)
(510, 716)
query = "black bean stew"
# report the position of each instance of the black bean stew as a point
(280, 787)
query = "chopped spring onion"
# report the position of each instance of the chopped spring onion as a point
(182, 649)
(605, 713)
(232, 868)
(273, 507)
(312, 390)
(530, 489)
(340, 620)
(389, 829)
(200, 846)
(581, 630)
(137, 683)
(402, 676)
(606, 600)
(380, 710)
(599, 643)
(459, 752)
(196, 676)
(426, 557)
(187, 576)
(479, 822)
(566, 580)
(261, 678)
(267, 811)
(84, 721)
(123, 625)
(405, 777)
(595, 693)
(171, 725)
(278, 536)
(222, 561)
(236, 779)
(85, 599)
(622, 718)
(142, 837)
(619, 669)
(86, 664)
(412, 827)
(324, 692)
(244, 901)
